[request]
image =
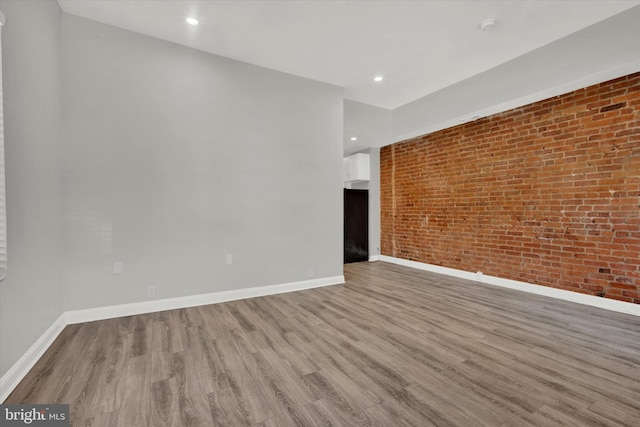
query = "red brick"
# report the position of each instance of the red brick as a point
(546, 193)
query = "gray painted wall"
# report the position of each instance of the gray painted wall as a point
(374, 202)
(31, 295)
(121, 147)
(173, 158)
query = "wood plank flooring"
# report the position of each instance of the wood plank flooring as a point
(392, 347)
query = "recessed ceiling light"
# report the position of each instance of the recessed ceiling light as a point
(488, 24)
(378, 79)
(192, 21)
(354, 138)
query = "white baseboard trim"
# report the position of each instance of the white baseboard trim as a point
(374, 258)
(110, 312)
(594, 301)
(19, 370)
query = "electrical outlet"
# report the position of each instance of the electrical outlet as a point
(228, 259)
(479, 276)
(151, 291)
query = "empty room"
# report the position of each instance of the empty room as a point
(319, 213)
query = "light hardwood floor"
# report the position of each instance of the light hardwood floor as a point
(392, 347)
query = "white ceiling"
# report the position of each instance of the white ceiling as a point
(420, 47)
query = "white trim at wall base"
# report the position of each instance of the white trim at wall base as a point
(374, 258)
(19, 370)
(606, 303)
(110, 312)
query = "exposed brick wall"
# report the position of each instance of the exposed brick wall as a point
(548, 193)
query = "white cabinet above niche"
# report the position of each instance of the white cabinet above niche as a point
(356, 168)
